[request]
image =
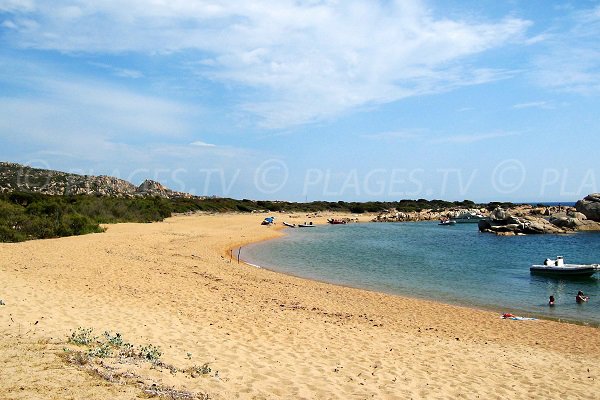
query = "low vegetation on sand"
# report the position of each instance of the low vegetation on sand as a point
(111, 358)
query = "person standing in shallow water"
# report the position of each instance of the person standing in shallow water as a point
(581, 298)
(551, 301)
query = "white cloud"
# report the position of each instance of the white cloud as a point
(9, 25)
(537, 39)
(72, 122)
(200, 143)
(534, 104)
(126, 111)
(301, 60)
(393, 135)
(558, 71)
(17, 5)
(120, 72)
(466, 139)
(571, 60)
(50, 111)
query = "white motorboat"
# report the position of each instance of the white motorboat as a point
(558, 268)
(468, 218)
(446, 222)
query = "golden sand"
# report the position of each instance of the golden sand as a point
(172, 284)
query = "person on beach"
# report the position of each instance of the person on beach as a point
(551, 301)
(581, 298)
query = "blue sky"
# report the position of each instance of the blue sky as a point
(318, 100)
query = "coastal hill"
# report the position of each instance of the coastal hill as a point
(22, 178)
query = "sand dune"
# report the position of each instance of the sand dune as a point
(172, 284)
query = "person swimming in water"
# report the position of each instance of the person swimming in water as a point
(551, 301)
(581, 298)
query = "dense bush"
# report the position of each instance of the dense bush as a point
(26, 216)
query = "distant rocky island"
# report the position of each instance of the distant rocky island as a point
(22, 178)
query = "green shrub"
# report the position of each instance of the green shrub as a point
(150, 353)
(9, 235)
(103, 350)
(115, 340)
(82, 336)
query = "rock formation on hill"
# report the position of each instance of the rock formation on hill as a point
(16, 177)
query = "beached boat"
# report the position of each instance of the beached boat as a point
(290, 225)
(337, 221)
(558, 268)
(306, 225)
(268, 221)
(467, 218)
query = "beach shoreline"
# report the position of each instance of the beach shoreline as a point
(269, 335)
(490, 309)
(499, 309)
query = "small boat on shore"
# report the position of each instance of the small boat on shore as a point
(305, 225)
(337, 221)
(289, 225)
(268, 221)
(558, 268)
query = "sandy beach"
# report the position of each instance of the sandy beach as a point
(264, 335)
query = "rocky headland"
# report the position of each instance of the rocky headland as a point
(535, 220)
(22, 178)
(519, 219)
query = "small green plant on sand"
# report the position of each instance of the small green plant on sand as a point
(202, 370)
(102, 351)
(82, 337)
(150, 353)
(105, 346)
(99, 355)
(127, 350)
(116, 340)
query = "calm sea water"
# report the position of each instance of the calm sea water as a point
(453, 264)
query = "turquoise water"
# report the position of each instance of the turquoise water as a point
(452, 264)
